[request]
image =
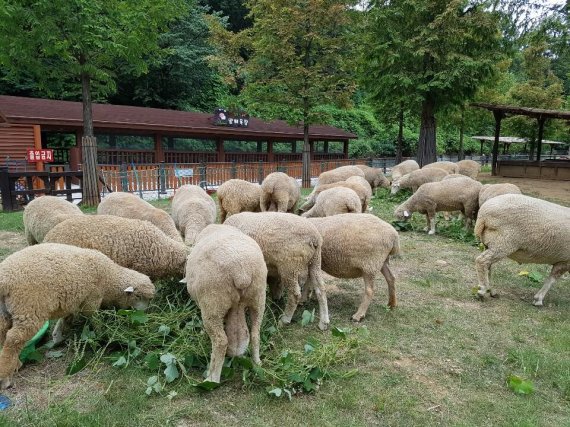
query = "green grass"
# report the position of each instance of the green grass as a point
(440, 358)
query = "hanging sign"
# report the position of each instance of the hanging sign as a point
(222, 117)
(43, 155)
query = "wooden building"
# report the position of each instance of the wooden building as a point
(137, 135)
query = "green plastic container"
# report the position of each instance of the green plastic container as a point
(31, 344)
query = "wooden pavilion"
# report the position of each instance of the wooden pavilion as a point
(545, 169)
(507, 141)
(26, 123)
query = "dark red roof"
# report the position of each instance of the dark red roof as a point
(67, 114)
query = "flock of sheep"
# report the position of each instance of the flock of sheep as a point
(83, 262)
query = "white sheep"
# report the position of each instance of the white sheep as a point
(339, 174)
(526, 230)
(359, 246)
(132, 243)
(279, 192)
(375, 177)
(128, 205)
(50, 281)
(291, 246)
(44, 213)
(488, 191)
(403, 168)
(449, 167)
(414, 179)
(226, 275)
(334, 201)
(459, 194)
(468, 168)
(364, 183)
(364, 193)
(237, 195)
(192, 211)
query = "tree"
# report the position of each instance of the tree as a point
(432, 54)
(82, 41)
(299, 60)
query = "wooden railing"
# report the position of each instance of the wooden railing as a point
(246, 157)
(118, 156)
(190, 157)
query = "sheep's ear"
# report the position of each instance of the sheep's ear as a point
(129, 290)
(406, 214)
(183, 280)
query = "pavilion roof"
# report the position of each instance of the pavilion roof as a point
(525, 111)
(515, 140)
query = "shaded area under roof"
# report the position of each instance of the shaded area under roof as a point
(525, 111)
(106, 117)
(515, 140)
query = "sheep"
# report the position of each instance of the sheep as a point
(460, 194)
(192, 210)
(468, 168)
(449, 167)
(50, 281)
(339, 174)
(359, 246)
(225, 275)
(291, 246)
(526, 230)
(364, 194)
(132, 243)
(416, 178)
(488, 191)
(375, 177)
(128, 205)
(364, 183)
(334, 201)
(44, 213)
(403, 168)
(237, 195)
(279, 192)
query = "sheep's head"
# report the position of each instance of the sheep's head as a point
(132, 289)
(395, 186)
(402, 213)
(381, 181)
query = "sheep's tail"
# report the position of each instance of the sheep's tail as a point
(395, 252)
(242, 277)
(479, 228)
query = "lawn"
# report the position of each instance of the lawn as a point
(440, 358)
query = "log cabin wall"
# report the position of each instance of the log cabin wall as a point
(15, 140)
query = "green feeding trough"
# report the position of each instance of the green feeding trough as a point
(30, 346)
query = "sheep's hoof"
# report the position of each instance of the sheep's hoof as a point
(431, 232)
(357, 318)
(323, 326)
(284, 322)
(481, 294)
(537, 302)
(493, 293)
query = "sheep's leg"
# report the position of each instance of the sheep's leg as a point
(31, 240)
(264, 201)
(391, 280)
(367, 296)
(426, 228)
(446, 216)
(214, 326)
(483, 266)
(223, 214)
(282, 203)
(318, 285)
(293, 297)
(60, 327)
(557, 271)
(236, 331)
(23, 328)
(5, 325)
(275, 287)
(365, 206)
(256, 315)
(431, 222)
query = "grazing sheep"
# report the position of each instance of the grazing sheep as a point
(359, 246)
(526, 230)
(403, 168)
(225, 275)
(359, 180)
(44, 213)
(128, 205)
(416, 178)
(459, 194)
(488, 191)
(468, 168)
(339, 174)
(192, 211)
(375, 177)
(291, 246)
(334, 201)
(449, 167)
(51, 281)
(132, 243)
(279, 192)
(237, 195)
(363, 193)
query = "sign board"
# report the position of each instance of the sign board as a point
(43, 155)
(183, 173)
(222, 117)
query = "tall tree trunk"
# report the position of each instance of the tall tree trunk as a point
(461, 131)
(90, 184)
(426, 143)
(532, 149)
(400, 135)
(306, 156)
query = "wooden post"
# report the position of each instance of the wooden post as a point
(259, 146)
(38, 146)
(312, 149)
(270, 156)
(325, 147)
(481, 151)
(7, 205)
(541, 121)
(221, 155)
(345, 149)
(158, 151)
(294, 147)
(91, 196)
(498, 117)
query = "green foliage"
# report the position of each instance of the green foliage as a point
(520, 385)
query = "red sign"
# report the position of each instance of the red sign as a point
(40, 156)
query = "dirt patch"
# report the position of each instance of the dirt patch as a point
(11, 242)
(558, 191)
